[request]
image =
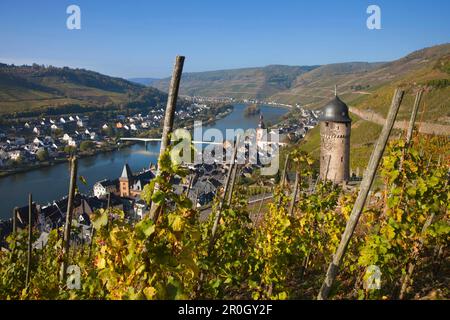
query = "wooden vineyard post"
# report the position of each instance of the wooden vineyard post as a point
(30, 208)
(258, 214)
(283, 177)
(233, 181)
(413, 117)
(68, 224)
(408, 138)
(191, 183)
(362, 196)
(294, 194)
(108, 204)
(14, 220)
(14, 225)
(227, 183)
(168, 121)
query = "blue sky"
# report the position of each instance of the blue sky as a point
(140, 38)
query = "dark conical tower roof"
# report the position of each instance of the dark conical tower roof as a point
(126, 172)
(335, 111)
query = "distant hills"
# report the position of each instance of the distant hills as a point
(143, 81)
(361, 84)
(239, 83)
(39, 88)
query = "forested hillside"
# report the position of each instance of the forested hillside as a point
(38, 88)
(360, 84)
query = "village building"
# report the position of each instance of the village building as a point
(103, 188)
(132, 185)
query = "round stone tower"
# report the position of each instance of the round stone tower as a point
(335, 127)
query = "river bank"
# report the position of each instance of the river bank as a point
(51, 182)
(56, 161)
(109, 148)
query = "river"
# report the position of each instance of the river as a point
(51, 183)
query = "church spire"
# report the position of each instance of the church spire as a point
(126, 172)
(261, 124)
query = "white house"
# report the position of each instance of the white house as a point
(62, 120)
(15, 154)
(54, 127)
(72, 143)
(71, 118)
(37, 131)
(38, 141)
(80, 123)
(102, 188)
(105, 126)
(133, 127)
(66, 137)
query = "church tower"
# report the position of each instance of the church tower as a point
(261, 128)
(335, 128)
(125, 181)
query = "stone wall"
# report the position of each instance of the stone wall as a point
(335, 151)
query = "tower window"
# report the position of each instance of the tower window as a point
(326, 124)
(342, 159)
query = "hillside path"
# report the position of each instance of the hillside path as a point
(424, 127)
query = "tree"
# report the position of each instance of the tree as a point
(42, 154)
(16, 162)
(108, 131)
(69, 149)
(86, 145)
(58, 132)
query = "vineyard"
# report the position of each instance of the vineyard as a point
(311, 240)
(283, 254)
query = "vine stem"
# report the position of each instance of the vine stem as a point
(294, 194)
